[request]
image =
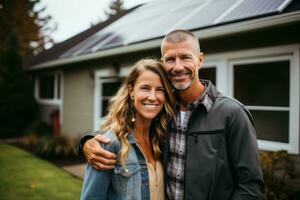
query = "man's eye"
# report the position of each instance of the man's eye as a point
(187, 58)
(169, 59)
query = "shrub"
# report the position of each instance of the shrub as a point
(54, 147)
(39, 128)
(278, 168)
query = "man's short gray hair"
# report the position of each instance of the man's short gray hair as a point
(178, 36)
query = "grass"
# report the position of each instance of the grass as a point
(24, 176)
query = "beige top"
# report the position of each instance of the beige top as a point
(156, 181)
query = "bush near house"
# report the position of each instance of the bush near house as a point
(279, 170)
(40, 140)
(24, 176)
(56, 147)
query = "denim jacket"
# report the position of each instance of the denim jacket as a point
(123, 182)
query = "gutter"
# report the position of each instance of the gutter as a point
(212, 32)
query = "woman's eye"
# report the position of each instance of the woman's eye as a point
(161, 90)
(144, 88)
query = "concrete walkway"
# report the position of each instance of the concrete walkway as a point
(76, 170)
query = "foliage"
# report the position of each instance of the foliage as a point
(53, 147)
(22, 33)
(24, 176)
(115, 7)
(278, 168)
(21, 19)
(39, 128)
(17, 105)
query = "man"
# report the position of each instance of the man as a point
(211, 150)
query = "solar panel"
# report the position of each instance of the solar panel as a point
(155, 19)
(206, 15)
(255, 8)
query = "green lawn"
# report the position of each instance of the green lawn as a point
(23, 176)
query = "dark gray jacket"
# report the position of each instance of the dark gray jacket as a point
(222, 159)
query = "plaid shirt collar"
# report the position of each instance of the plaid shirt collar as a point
(207, 98)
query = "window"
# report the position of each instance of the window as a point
(109, 89)
(267, 82)
(105, 89)
(48, 88)
(264, 87)
(208, 73)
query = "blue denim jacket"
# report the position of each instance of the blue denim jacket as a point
(123, 182)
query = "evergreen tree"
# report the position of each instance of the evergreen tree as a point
(22, 34)
(20, 19)
(17, 104)
(115, 7)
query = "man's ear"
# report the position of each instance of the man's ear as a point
(200, 59)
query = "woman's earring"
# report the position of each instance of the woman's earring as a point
(132, 110)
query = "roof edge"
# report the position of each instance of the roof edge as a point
(211, 32)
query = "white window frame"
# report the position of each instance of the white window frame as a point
(290, 53)
(56, 100)
(101, 76)
(225, 85)
(220, 71)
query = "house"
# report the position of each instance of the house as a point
(251, 52)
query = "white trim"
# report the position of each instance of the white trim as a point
(294, 101)
(221, 74)
(275, 146)
(97, 93)
(223, 30)
(277, 53)
(268, 108)
(49, 102)
(99, 75)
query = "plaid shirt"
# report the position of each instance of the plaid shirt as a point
(177, 154)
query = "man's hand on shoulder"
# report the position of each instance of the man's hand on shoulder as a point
(96, 156)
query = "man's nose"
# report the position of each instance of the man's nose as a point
(178, 66)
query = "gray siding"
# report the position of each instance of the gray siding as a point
(78, 101)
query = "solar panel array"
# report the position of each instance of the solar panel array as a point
(156, 18)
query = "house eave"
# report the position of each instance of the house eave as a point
(227, 29)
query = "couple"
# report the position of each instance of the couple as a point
(202, 145)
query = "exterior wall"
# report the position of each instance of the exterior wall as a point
(78, 99)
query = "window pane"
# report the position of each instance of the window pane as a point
(272, 125)
(262, 84)
(58, 86)
(46, 87)
(110, 88)
(208, 74)
(104, 108)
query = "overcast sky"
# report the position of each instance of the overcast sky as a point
(74, 16)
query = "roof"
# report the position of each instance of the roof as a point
(144, 27)
(58, 49)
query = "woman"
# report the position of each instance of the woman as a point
(136, 124)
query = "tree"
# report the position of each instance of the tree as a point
(115, 7)
(20, 19)
(22, 34)
(17, 104)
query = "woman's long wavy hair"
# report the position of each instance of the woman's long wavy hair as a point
(118, 119)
